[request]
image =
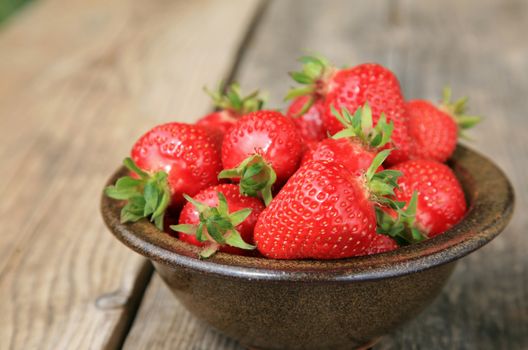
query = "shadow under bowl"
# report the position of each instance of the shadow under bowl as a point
(308, 304)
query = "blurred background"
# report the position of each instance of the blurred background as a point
(81, 80)
(9, 7)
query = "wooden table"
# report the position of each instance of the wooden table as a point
(81, 80)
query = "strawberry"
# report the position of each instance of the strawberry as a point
(352, 88)
(439, 202)
(169, 160)
(230, 105)
(382, 243)
(355, 146)
(219, 218)
(217, 124)
(326, 212)
(308, 118)
(262, 148)
(434, 130)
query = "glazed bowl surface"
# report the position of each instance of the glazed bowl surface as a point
(308, 304)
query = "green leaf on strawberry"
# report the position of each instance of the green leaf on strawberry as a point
(147, 196)
(360, 125)
(382, 183)
(256, 177)
(232, 100)
(458, 110)
(216, 226)
(314, 70)
(402, 228)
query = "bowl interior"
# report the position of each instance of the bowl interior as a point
(490, 205)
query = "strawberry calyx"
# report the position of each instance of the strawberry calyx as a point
(256, 177)
(360, 125)
(233, 101)
(381, 184)
(148, 195)
(315, 73)
(457, 110)
(403, 228)
(217, 226)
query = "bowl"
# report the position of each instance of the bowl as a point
(309, 304)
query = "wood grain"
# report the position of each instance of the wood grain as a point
(80, 82)
(475, 46)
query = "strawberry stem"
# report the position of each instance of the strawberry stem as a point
(148, 196)
(382, 183)
(256, 177)
(403, 229)
(457, 110)
(360, 125)
(216, 227)
(315, 72)
(233, 100)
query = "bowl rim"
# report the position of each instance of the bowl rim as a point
(491, 202)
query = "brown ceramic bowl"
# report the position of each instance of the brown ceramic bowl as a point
(340, 304)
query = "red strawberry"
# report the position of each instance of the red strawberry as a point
(353, 87)
(262, 147)
(308, 118)
(440, 202)
(167, 161)
(355, 146)
(382, 243)
(347, 151)
(219, 218)
(434, 130)
(324, 212)
(217, 124)
(230, 105)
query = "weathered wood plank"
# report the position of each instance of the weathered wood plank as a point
(80, 81)
(478, 48)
